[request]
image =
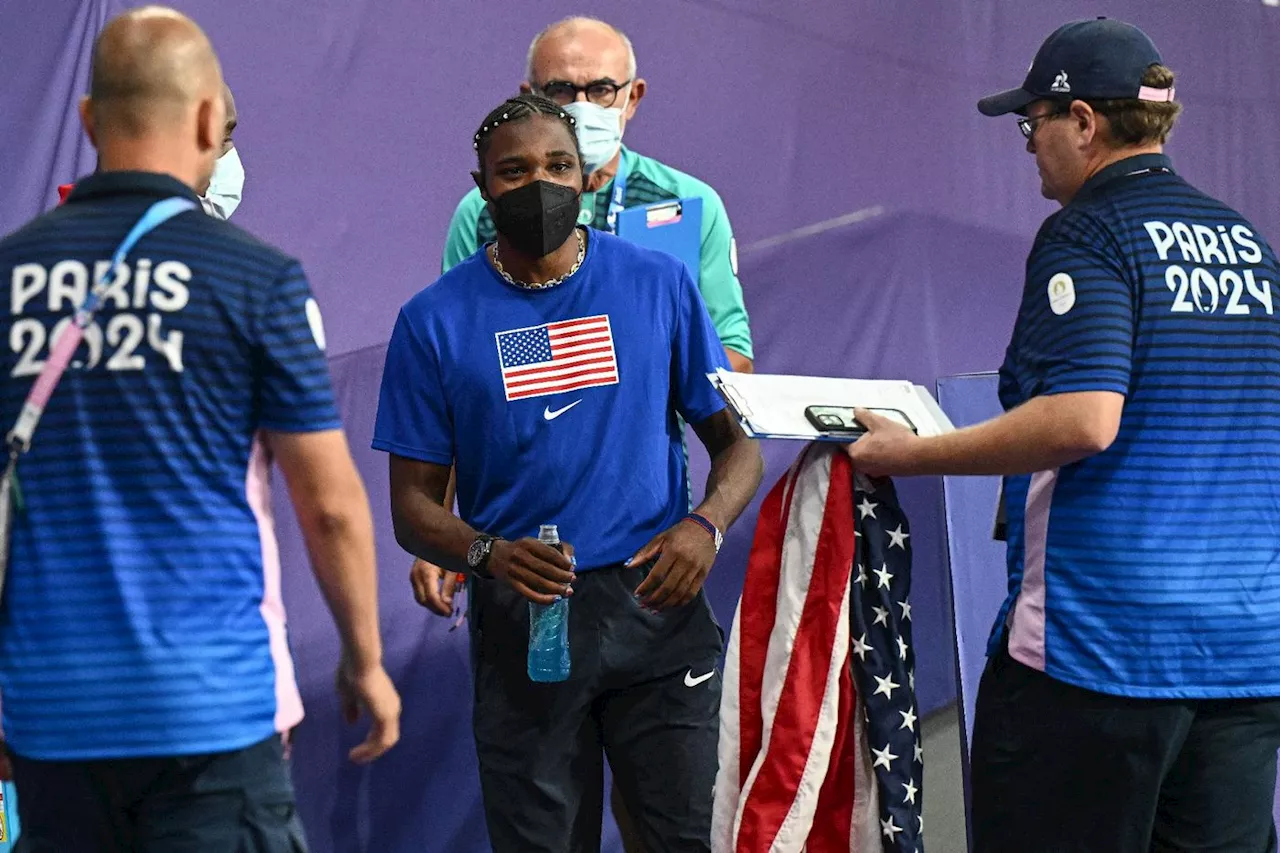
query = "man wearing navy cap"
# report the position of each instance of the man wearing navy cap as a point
(1129, 704)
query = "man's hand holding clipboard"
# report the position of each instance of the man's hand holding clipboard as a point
(885, 445)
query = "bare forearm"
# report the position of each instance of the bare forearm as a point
(1043, 434)
(340, 544)
(333, 511)
(738, 362)
(421, 510)
(735, 475)
(432, 533)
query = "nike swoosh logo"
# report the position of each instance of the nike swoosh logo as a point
(690, 681)
(551, 416)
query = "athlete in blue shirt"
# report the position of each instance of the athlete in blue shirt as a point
(551, 365)
(143, 658)
(1129, 702)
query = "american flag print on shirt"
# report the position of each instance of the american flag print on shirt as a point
(554, 358)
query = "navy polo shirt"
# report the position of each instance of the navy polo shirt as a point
(141, 614)
(1151, 569)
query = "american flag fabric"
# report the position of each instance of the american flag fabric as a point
(557, 357)
(819, 728)
(884, 661)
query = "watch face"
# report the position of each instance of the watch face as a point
(475, 554)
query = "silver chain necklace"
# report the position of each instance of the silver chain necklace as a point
(541, 285)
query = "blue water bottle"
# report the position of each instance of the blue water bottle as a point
(9, 827)
(549, 628)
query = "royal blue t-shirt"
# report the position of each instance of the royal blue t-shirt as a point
(142, 613)
(1151, 569)
(558, 405)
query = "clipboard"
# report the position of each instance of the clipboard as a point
(774, 406)
(674, 227)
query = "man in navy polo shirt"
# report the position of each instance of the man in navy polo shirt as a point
(552, 366)
(1129, 704)
(143, 659)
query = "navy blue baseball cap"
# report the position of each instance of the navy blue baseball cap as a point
(1085, 60)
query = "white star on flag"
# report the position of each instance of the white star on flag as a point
(862, 576)
(867, 508)
(885, 576)
(912, 790)
(911, 679)
(884, 758)
(908, 720)
(885, 685)
(906, 610)
(899, 538)
(902, 650)
(882, 616)
(890, 829)
(860, 648)
(919, 752)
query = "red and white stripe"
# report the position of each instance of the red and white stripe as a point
(795, 769)
(582, 356)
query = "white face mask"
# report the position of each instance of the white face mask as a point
(226, 186)
(599, 132)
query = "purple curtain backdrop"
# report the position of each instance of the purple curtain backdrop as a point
(357, 115)
(356, 121)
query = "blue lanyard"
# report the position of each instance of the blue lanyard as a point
(619, 195)
(156, 215)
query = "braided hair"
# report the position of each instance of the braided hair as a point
(519, 108)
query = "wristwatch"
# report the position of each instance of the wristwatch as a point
(478, 555)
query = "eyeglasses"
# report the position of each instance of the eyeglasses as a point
(601, 92)
(1028, 125)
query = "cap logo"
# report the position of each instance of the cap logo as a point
(1060, 84)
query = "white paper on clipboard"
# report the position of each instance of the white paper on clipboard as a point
(773, 406)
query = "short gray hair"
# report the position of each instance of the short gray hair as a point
(571, 21)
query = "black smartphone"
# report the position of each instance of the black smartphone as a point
(839, 420)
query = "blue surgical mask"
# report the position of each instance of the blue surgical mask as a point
(226, 187)
(599, 132)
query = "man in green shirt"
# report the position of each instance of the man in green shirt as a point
(589, 62)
